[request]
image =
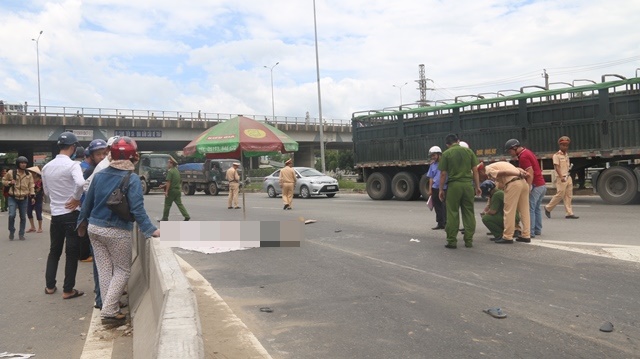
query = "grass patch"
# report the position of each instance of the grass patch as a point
(347, 184)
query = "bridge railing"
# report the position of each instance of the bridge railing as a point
(63, 111)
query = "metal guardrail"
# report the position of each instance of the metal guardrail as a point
(63, 111)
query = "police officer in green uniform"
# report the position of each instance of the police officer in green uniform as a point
(172, 191)
(493, 214)
(458, 166)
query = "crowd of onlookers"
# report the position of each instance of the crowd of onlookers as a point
(80, 200)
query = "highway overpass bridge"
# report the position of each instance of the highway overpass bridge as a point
(27, 133)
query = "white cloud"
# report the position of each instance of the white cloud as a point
(210, 55)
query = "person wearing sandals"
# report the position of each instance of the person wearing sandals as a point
(37, 204)
(111, 235)
(62, 181)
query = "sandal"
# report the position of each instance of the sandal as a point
(116, 319)
(495, 312)
(39, 230)
(31, 230)
(76, 293)
(50, 291)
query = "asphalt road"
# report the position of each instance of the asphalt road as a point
(359, 287)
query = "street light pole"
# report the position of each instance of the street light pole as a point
(273, 106)
(315, 31)
(400, 88)
(37, 40)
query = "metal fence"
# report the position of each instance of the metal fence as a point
(63, 111)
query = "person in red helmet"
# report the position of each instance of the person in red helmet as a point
(110, 235)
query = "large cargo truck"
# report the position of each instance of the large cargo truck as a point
(602, 120)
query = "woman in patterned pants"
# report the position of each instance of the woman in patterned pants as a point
(110, 234)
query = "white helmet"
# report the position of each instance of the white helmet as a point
(111, 140)
(435, 149)
(464, 144)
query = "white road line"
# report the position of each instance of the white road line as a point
(244, 337)
(97, 345)
(621, 252)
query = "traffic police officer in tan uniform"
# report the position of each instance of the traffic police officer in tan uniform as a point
(234, 186)
(564, 183)
(287, 182)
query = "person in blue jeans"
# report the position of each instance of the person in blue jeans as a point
(21, 192)
(528, 161)
(434, 187)
(94, 154)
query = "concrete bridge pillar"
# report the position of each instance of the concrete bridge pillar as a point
(305, 156)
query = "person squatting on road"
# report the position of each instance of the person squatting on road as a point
(234, 185)
(172, 191)
(564, 183)
(62, 181)
(39, 198)
(434, 187)
(21, 192)
(287, 182)
(458, 169)
(111, 235)
(510, 179)
(528, 161)
(493, 214)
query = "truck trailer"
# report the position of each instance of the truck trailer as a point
(602, 120)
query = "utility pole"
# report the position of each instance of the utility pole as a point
(315, 30)
(546, 78)
(37, 40)
(273, 106)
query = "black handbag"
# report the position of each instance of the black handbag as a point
(117, 201)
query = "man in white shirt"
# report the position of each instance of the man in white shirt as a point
(62, 181)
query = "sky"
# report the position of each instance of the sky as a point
(215, 55)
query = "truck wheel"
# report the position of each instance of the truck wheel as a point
(405, 186)
(423, 186)
(304, 192)
(213, 189)
(379, 186)
(618, 185)
(271, 192)
(145, 186)
(187, 189)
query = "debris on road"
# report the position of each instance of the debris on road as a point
(16, 355)
(266, 310)
(607, 327)
(414, 240)
(338, 230)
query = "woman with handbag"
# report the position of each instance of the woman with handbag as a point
(109, 232)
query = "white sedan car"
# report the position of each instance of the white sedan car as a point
(310, 182)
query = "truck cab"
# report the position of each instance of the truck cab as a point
(152, 169)
(209, 176)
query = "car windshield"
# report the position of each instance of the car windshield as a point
(309, 172)
(158, 162)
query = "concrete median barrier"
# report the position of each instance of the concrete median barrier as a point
(163, 305)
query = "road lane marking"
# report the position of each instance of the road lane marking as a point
(242, 336)
(97, 345)
(612, 251)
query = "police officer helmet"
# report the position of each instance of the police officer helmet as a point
(486, 188)
(434, 149)
(21, 159)
(67, 139)
(511, 144)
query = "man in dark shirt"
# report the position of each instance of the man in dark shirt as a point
(528, 161)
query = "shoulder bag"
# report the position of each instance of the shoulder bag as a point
(117, 201)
